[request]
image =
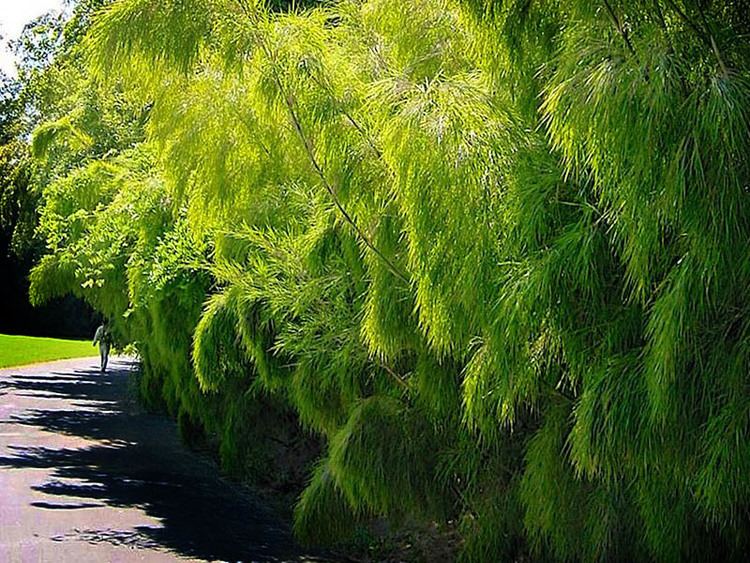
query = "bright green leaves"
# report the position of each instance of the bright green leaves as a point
(379, 459)
(549, 476)
(442, 140)
(416, 49)
(215, 350)
(323, 502)
(62, 130)
(495, 258)
(171, 32)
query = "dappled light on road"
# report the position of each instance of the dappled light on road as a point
(87, 475)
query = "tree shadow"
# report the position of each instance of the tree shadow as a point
(137, 461)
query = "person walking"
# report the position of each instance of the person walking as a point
(104, 337)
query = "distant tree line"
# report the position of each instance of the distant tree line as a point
(20, 248)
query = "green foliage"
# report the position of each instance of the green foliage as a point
(17, 200)
(492, 254)
(379, 457)
(322, 501)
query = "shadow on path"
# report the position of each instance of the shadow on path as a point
(129, 459)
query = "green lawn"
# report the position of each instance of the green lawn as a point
(21, 350)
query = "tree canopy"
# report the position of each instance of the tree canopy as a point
(491, 255)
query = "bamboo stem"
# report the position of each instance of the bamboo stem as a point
(670, 45)
(307, 144)
(705, 34)
(714, 46)
(326, 184)
(622, 31)
(394, 375)
(354, 122)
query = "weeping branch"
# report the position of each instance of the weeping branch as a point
(396, 377)
(670, 45)
(621, 29)
(712, 41)
(704, 34)
(327, 185)
(361, 130)
(307, 144)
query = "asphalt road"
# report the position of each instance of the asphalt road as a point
(86, 475)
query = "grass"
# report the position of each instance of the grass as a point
(22, 350)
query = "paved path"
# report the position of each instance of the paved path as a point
(85, 475)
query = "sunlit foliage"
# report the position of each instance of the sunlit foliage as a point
(492, 254)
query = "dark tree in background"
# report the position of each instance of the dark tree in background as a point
(20, 248)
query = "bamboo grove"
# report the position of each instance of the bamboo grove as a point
(491, 255)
